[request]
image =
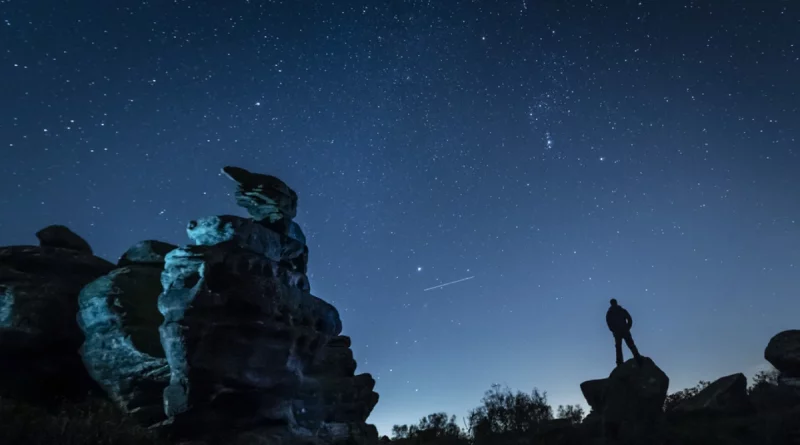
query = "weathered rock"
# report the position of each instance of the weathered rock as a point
(594, 391)
(245, 234)
(146, 253)
(39, 337)
(237, 335)
(331, 393)
(725, 396)
(783, 351)
(629, 403)
(265, 197)
(122, 351)
(63, 238)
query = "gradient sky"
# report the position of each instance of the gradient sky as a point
(561, 152)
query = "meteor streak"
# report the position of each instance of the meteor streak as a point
(447, 284)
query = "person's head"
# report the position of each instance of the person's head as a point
(613, 302)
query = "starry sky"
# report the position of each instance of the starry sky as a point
(560, 152)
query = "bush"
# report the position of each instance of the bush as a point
(436, 428)
(90, 422)
(765, 378)
(573, 413)
(505, 412)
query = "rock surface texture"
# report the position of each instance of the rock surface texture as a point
(119, 316)
(334, 399)
(244, 337)
(727, 395)
(220, 341)
(629, 402)
(39, 337)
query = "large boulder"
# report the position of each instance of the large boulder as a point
(63, 238)
(238, 333)
(122, 352)
(146, 253)
(629, 402)
(594, 391)
(39, 336)
(725, 396)
(265, 197)
(783, 351)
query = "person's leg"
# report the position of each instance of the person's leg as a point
(632, 346)
(618, 347)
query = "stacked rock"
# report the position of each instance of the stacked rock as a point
(241, 329)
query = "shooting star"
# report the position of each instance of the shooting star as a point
(447, 284)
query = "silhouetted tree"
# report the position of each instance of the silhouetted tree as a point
(506, 412)
(675, 399)
(435, 428)
(764, 378)
(574, 413)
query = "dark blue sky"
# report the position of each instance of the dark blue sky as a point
(561, 152)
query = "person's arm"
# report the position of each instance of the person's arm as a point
(608, 320)
(628, 319)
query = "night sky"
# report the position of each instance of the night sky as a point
(559, 152)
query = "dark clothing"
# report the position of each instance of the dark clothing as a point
(618, 319)
(628, 342)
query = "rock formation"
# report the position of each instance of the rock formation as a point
(628, 404)
(783, 351)
(63, 238)
(334, 399)
(39, 337)
(725, 396)
(242, 332)
(119, 316)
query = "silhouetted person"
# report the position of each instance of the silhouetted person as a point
(620, 322)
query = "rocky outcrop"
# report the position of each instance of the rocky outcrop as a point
(725, 396)
(39, 337)
(146, 253)
(220, 341)
(594, 391)
(335, 400)
(242, 332)
(62, 237)
(119, 316)
(266, 198)
(629, 402)
(783, 351)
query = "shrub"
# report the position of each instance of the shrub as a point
(573, 413)
(435, 428)
(506, 412)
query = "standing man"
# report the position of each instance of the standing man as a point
(619, 321)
